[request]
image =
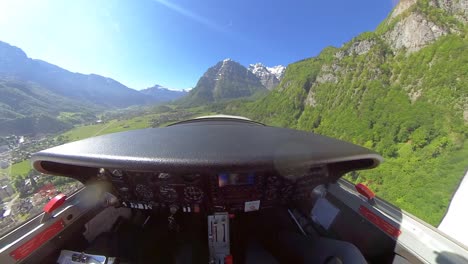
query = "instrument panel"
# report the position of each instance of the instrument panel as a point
(238, 191)
(156, 190)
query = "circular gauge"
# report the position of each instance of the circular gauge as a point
(193, 193)
(117, 173)
(144, 192)
(164, 176)
(167, 193)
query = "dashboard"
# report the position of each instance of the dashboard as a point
(232, 191)
(225, 164)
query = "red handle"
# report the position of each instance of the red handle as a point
(55, 203)
(364, 190)
(228, 259)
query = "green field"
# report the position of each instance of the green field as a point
(116, 125)
(21, 168)
(86, 131)
(81, 132)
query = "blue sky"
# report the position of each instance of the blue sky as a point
(172, 42)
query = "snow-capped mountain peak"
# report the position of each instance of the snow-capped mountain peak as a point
(258, 69)
(278, 71)
(163, 94)
(160, 87)
(269, 76)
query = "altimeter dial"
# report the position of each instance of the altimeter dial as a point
(144, 192)
(193, 193)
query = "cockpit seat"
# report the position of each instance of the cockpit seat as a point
(292, 247)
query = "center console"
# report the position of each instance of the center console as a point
(232, 191)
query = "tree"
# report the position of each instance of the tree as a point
(420, 137)
(18, 183)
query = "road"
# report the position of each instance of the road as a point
(102, 129)
(456, 219)
(10, 203)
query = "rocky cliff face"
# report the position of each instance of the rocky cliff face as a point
(401, 7)
(411, 26)
(414, 24)
(413, 32)
(456, 8)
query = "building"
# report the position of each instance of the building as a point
(4, 148)
(6, 191)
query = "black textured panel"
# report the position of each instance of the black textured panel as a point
(206, 146)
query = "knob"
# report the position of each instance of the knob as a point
(173, 209)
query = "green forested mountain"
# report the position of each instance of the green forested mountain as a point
(26, 108)
(88, 89)
(36, 124)
(20, 98)
(226, 80)
(401, 90)
(37, 97)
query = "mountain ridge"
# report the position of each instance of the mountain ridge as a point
(34, 91)
(14, 63)
(162, 94)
